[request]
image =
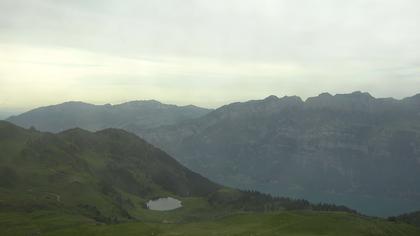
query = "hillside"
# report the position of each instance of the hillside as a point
(107, 175)
(84, 183)
(264, 224)
(412, 218)
(132, 116)
(350, 149)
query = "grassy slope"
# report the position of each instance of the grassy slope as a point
(104, 175)
(54, 185)
(412, 218)
(108, 176)
(294, 223)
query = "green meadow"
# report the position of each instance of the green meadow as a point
(293, 223)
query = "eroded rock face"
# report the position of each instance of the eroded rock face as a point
(334, 146)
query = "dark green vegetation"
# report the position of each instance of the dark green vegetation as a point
(107, 175)
(82, 183)
(132, 116)
(290, 223)
(412, 218)
(348, 149)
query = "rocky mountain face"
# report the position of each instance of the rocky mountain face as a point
(350, 149)
(131, 116)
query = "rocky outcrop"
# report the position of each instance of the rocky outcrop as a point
(329, 146)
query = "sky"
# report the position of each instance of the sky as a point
(204, 52)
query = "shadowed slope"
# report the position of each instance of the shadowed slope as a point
(350, 149)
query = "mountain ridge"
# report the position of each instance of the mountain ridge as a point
(109, 175)
(339, 139)
(131, 115)
(88, 183)
(344, 137)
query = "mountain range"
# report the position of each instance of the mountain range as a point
(132, 116)
(350, 149)
(78, 182)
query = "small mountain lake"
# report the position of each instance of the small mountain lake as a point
(164, 204)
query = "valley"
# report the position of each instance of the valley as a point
(100, 183)
(209, 118)
(347, 149)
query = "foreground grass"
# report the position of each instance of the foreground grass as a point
(295, 223)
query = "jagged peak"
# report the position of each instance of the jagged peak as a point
(69, 104)
(354, 100)
(413, 100)
(270, 102)
(415, 97)
(271, 98)
(296, 99)
(74, 103)
(141, 102)
(355, 94)
(191, 106)
(75, 130)
(320, 96)
(359, 94)
(325, 95)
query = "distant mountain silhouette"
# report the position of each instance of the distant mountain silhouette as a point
(350, 149)
(133, 116)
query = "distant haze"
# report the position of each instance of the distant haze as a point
(5, 113)
(206, 53)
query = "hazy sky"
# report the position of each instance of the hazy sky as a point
(205, 52)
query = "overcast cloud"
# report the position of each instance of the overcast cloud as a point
(205, 52)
